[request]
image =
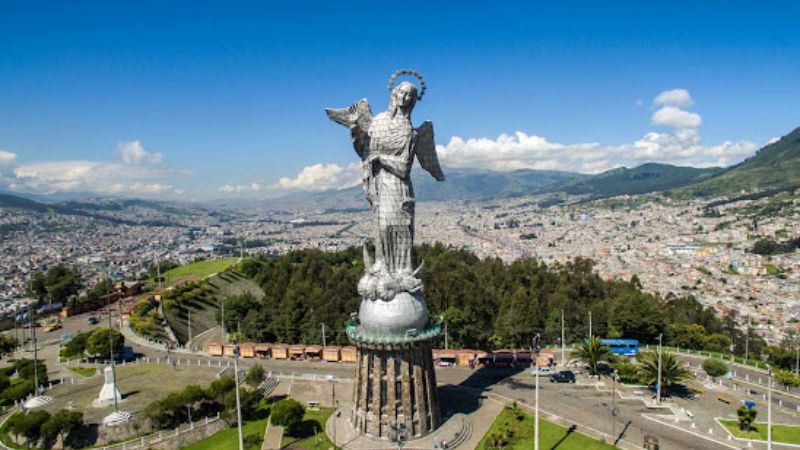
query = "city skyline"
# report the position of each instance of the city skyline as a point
(195, 103)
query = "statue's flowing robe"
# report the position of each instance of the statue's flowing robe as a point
(388, 185)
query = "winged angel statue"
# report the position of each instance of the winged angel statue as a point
(387, 144)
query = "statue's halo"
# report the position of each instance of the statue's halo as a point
(390, 85)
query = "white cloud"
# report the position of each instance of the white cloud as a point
(7, 158)
(315, 178)
(321, 177)
(682, 145)
(240, 188)
(132, 153)
(675, 97)
(135, 176)
(671, 116)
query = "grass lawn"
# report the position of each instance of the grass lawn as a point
(228, 439)
(550, 434)
(139, 384)
(83, 371)
(194, 271)
(780, 433)
(311, 432)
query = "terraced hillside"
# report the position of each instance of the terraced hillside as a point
(203, 298)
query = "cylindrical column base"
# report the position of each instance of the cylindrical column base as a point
(395, 391)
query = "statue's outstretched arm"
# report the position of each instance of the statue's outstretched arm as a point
(357, 118)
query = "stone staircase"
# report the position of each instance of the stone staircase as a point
(268, 386)
(228, 372)
(464, 433)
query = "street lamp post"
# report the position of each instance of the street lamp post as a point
(563, 342)
(111, 350)
(536, 412)
(658, 385)
(35, 356)
(238, 402)
(613, 406)
(769, 407)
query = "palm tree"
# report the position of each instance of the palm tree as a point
(593, 352)
(672, 371)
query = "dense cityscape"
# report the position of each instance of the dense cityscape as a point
(683, 248)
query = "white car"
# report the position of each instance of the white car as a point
(543, 371)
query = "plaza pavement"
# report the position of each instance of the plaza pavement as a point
(584, 405)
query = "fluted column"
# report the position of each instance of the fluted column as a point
(391, 395)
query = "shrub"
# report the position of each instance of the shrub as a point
(98, 343)
(787, 378)
(25, 370)
(715, 367)
(746, 417)
(17, 392)
(287, 413)
(255, 375)
(76, 346)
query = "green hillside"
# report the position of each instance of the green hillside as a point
(465, 184)
(202, 299)
(650, 177)
(774, 167)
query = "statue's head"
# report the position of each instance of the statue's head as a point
(404, 97)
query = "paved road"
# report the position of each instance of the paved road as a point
(586, 406)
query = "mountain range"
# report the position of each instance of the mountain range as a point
(774, 168)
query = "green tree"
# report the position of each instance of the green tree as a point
(684, 335)
(787, 378)
(672, 371)
(27, 371)
(287, 413)
(592, 353)
(14, 425)
(62, 423)
(220, 387)
(32, 426)
(7, 344)
(76, 346)
(98, 342)
(4, 382)
(101, 288)
(747, 416)
(715, 367)
(718, 343)
(255, 375)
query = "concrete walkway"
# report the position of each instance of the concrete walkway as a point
(482, 420)
(272, 437)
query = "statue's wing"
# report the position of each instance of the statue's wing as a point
(425, 148)
(357, 118)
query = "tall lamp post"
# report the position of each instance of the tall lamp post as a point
(35, 356)
(769, 407)
(111, 348)
(235, 343)
(536, 347)
(614, 407)
(658, 385)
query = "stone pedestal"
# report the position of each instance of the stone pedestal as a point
(395, 390)
(109, 390)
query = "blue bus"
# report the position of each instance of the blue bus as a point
(626, 347)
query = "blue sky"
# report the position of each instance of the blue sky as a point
(202, 100)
